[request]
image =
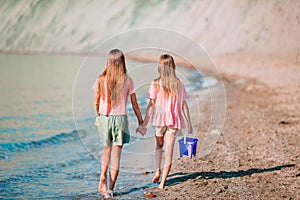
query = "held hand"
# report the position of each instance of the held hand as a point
(137, 130)
(141, 129)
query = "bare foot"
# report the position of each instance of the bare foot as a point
(156, 176)
(161, 186)
(102, 186)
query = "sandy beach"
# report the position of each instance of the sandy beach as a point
(258, 153)
(253, 44)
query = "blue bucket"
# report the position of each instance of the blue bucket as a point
(188, 146)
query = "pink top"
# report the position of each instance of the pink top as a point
(167, 111)
(119, 109)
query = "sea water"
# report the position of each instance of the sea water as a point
(49, 147)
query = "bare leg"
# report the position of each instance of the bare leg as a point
(169, 142)
(158, 156)
(105, 159)
(115, 165)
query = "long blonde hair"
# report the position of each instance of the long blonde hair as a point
(167, 75)
(114, 76)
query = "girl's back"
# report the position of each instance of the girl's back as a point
(112, 89)
(168, 108)
(167, 102)
(119, 107)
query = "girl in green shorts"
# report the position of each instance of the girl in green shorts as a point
(112, 89)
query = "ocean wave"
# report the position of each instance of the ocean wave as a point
(4, 118)
(24, 146)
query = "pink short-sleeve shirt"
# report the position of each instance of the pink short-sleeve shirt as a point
(120, 108)
(167, 111)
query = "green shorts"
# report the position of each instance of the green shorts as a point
(113, 129)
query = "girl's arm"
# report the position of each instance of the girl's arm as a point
(143, 127)
(149, 111)
(186, 113)
(96, 101)
(136, 108)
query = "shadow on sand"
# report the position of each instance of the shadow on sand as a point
(182, 177)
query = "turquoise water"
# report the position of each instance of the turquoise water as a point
(42, 153)
(49, 146)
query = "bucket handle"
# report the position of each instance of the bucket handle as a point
(184, 137)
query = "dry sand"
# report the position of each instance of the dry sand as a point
(258, 153)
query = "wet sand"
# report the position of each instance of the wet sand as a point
(258, 153)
